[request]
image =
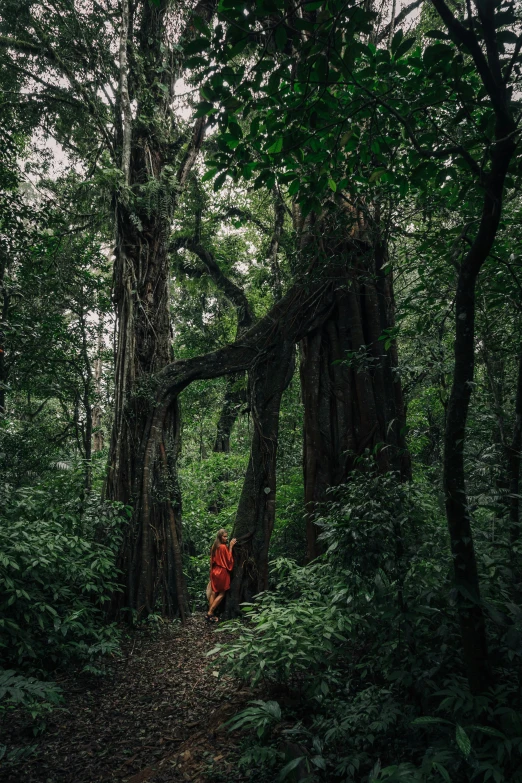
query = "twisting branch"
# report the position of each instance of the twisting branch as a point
(233, 292)
(243, 214)
(303, 309)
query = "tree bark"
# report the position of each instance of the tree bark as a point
(144, 348)
(469, 607)
(351, 391)
(255, 517)
(149, 555)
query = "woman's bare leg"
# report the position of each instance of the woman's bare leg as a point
(217, 600)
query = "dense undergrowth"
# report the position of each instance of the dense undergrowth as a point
(57, 572)
(362, 649)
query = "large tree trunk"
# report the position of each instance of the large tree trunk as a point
(4, 311)
(98, 436)
(255, 517)
(142, 465)
(469, 605)
(352, 394)
(148, 556)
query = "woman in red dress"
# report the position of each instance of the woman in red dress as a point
(221, 564)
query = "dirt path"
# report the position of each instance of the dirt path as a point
(153, 718)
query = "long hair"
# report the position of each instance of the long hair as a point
(217, 542)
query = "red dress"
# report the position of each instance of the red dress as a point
(222, 564)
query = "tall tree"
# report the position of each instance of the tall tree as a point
(297, 132)
(107, 74)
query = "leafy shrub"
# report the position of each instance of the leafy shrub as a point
(36, 697)
(55, 577)
(260, 716)
(366, 643)
(283, 641)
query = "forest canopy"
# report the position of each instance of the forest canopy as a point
(261, 270)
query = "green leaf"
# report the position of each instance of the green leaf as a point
(219, 181)
(238, 48)
(197, 46)
(288, 768)
(200, 24)
(203, 108)
(438, 34)
(507, 37)
(276, 147)
(443, 771)
(463, 740)
(404, 47)
(397, 38)
(210, 174)
(332, 185)
(489, 730)
(426, 720)
(377, 174)
(281, 37)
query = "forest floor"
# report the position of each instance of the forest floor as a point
(155, 716)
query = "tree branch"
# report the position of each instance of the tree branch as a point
(232, 292)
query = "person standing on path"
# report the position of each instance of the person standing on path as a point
(221, 564)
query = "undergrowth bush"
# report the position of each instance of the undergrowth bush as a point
(362, 650)
(57, 571)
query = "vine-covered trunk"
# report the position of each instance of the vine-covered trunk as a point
(149, 556)
(351, 390)
(142, 459)
(268, 379)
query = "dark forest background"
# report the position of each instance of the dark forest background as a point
(261, 269)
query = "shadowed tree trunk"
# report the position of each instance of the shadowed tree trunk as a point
(500, 152)
(255, 517)
(352, 394)
(149, 556)
(98, 436)
(235, 398)
(4, 312)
